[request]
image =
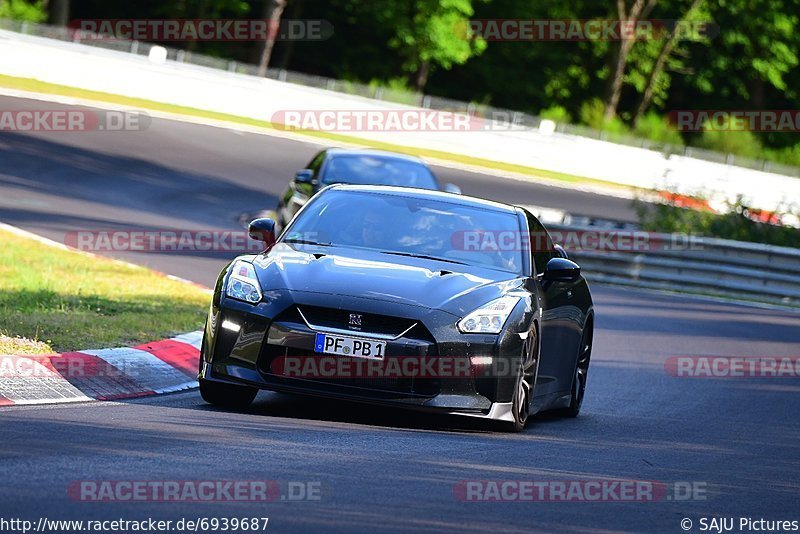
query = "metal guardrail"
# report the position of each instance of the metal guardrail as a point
(710, 266)
(524, 120)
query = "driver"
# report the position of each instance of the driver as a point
(374, 230)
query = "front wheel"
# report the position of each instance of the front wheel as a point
(227, 395)
(523, 385)
(580, 376)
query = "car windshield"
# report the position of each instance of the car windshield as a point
(409, 226)
(377, 170)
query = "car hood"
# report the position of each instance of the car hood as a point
(454, 288)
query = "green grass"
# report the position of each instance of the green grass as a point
(58, 300)
(28, 84)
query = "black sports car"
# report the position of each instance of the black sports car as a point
(403, 297)
(361, 167)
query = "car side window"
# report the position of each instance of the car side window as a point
(542, 249)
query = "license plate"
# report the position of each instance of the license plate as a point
(350, 346)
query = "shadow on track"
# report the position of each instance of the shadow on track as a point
(65, 171)
(302, 409)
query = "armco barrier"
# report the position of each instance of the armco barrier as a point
(711, 266)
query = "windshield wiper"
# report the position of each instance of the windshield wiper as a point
(423, 257)
(306, 242)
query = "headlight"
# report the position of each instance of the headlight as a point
(489, 318)
(242, 283)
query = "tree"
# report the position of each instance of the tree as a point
(626, 16)
(273, 11)
(756, 52)
(430, 34)
(58, 12)
(656, 73)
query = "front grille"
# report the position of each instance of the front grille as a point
(369, 322)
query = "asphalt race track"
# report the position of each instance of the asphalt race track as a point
(735, 440)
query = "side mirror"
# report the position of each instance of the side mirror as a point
(452, 188)
(263, 230)
(304, 176)
(561, 270)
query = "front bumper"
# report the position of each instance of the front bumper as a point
(429, 366)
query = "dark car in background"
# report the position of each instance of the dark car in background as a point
(360, 167)
(380, 294)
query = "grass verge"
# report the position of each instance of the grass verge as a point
(28, 84)
(59, 300)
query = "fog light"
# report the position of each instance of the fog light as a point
(230, 325)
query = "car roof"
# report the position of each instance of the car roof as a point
(383, 154)
(427, 194)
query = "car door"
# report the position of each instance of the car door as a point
(559, 343)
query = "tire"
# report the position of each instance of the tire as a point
(227, 395)
(580, 375)
(524, 384)
(220, 393)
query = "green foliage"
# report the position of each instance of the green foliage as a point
(645, 53)
(787, 156)
(556, 113)
(397, 90)
(23, 10)
(431, 32)
(738, 142)
(656, 128)
(592, 115)
(736, 224)
(392, 84)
